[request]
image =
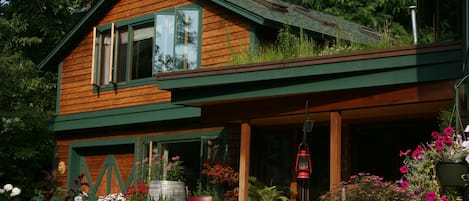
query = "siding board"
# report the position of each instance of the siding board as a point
(222, 31)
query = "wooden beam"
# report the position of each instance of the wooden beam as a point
(335, 152)
(244, 160)
(331, 101)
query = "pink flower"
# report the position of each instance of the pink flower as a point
(439, 147)
(435, 134)
(404, 184)
(448, 141)
(443, 198)
(404, 153)
(430, 196)
(448, 130)
(417, 151)
(404, 169)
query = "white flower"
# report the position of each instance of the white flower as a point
(84, 193)
(8, 187)
(2, 190)
(77, 198)
(465, 144)
(15, 191)
(467, 158)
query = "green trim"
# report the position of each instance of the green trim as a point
(105, 27)
(183, 136)
(94, 143)
(135, 21)
(313, 70)
(127, 84)
(123, 116)
(77, 163)
(59, 86)
(245, 13)
(75, 35)
(372, 78)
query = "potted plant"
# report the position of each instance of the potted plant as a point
(425, 170)
(222, 179)
(203, 193)
(166, 177)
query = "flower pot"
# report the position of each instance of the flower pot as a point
(199, 198)
(449, 173)
(169, 190)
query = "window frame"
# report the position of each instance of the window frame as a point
(130, 23)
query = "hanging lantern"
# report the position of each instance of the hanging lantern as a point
(303, 162)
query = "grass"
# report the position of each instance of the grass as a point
(291, 46)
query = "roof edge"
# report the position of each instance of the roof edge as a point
(243, 12)
(71, 38)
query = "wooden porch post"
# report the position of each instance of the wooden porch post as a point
(244, 160)
(335, 152)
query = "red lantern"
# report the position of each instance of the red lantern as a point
(303, 162)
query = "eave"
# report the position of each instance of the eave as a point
(382, 67)
(124, 116)
(75, 35)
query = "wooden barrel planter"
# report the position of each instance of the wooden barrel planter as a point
(169, 190)
(450, 173)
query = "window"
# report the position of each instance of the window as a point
(139, 48)
(192, 149)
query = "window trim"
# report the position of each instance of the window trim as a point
(114, 27)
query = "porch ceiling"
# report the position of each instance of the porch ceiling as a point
(428, 110)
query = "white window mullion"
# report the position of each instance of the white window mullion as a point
(111, 54)
(93, 62)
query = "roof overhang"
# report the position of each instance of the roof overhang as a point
(382, 67)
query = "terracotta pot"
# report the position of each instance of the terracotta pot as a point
(199, 198)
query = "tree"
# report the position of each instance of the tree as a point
(28, 30)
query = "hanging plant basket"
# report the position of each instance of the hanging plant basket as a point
(449, 173)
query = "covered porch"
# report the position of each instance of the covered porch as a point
(353, 93)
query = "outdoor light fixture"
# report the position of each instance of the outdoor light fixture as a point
(303, 162)
(303, 166)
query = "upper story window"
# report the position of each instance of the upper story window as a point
(132, 50)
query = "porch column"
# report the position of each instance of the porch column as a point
(335, 152)
(244, 160)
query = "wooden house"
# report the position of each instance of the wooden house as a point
(137, 77)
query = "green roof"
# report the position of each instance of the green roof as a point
(263, 12)
(268, 12)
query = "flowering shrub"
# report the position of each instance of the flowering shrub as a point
(365, 186)
(139, 192)
(222, 174)
(163, 168)
(419, 165)
(8, 192)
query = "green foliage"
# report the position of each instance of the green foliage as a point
(385, 16)
(260, 192)
(367, 187)
(28, 29)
